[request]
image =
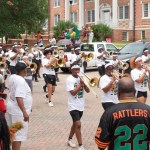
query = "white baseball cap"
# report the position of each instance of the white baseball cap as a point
(109, 64)
(78, 48)
(75, 67)
(138, 58)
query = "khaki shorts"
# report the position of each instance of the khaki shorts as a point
(20, 135)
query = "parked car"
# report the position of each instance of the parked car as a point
(131, 50)
(89, 48)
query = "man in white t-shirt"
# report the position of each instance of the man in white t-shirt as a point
(49, 74)
(75, 89)
(145, 57)
(100, 61)
(72, 56)
(13, 59)
(141, 78)
(91, 35)
(108, 84)
(19, 103)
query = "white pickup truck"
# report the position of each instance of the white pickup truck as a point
(89, 48)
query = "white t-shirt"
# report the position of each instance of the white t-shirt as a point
(72, 58)
(135, 74)
(18, 88)
(50, 70)
(74, 102)
(144, 58)
(99, 62)
(12, 62)
(111, 95)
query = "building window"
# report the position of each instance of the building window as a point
(56, 19)
(123, 12)
(146, 10)
(56, 3)
(73, 17)
(74, 1)
(143, 35)
(90, 16)
(89, 0)
(124, 36)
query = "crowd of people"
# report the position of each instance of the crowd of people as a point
(125, 123)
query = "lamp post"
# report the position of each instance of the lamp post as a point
(70, 10)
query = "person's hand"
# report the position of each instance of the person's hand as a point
(26, 117)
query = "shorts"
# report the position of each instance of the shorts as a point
(107, 105)
(20, 135)
(140, 94)
(50, 79)
(76, 115)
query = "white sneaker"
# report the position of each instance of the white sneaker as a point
(71, 143)
(50, 104)
(81, 147)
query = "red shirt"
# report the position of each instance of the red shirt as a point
(2, 106)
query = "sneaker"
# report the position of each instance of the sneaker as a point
(71, 143)
(50, 104)
(81, 147)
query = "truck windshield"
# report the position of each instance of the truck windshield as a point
(87, 47)
(133, 48)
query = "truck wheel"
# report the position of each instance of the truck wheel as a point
(65, 69)
(84, 66)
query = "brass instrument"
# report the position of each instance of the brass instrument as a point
(61, 62)
(33, 67)
(123, 65)
(108, 54)
(92, 81)
(55, 53)
(118, 75)
(87, 57)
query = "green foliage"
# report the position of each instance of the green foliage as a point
(101, 32)
(22, 15)
(61, 26)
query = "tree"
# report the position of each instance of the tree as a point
(18, 16)
(101, 32)
(61, 26)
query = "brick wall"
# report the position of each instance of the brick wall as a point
(140, 23)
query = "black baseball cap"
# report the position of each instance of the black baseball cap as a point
(20, 66)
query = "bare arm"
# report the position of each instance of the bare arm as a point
(14, 57)
(140, 79)
(75, 91)
(21, 106)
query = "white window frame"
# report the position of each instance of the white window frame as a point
(57, 16)
(73, 17)
(56, 3)
(127, 39)
(148, 10)
(123, 12)
(91, 14)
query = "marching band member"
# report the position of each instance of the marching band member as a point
(115, 62)
(75, 89)
(28, 76)
(13, 59)
(108, 84)
(49, 73)
(79, 60)
(100, 61)
(72, 56)
(37, 59)
(145, 57)
(140, 76)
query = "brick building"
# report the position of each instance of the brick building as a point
(129, 19)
